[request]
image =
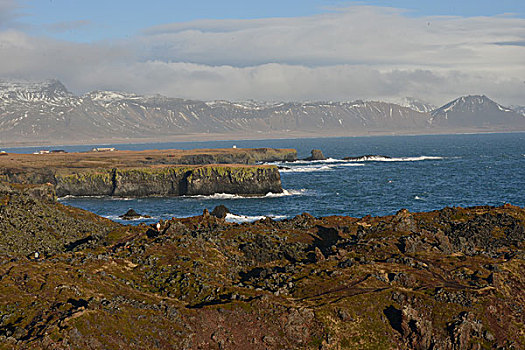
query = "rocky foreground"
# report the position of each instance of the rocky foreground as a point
(447, 279)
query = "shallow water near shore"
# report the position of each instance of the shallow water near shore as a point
(421, 173)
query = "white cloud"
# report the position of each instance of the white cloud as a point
(359, 52)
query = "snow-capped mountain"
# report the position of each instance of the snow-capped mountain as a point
(48, 112)
(417, 105)
(519, 109)
(479, 111)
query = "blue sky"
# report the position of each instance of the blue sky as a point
(287, 50)
(79, 20)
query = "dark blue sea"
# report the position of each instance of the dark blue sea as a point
(422, 173)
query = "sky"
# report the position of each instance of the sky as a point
(287, 50)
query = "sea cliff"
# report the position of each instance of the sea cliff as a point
(150, 173)
(171, 181)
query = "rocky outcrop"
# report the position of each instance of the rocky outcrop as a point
(240, 156)
(316, 154)
(131, 214)
(235, 180)
(151, 173)
(171, 181)
(367, 157)
(220, 211)
(31, 221)
(302, 283)
(98, 183)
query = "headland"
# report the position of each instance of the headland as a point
(108, 172)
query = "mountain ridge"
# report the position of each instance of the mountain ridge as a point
(48, 111)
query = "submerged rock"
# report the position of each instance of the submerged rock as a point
(132, 215)
(367, 157)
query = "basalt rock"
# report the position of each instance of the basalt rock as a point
(394, 282)
(131, 214)
(316, 154)
(234, 180)
(171, 181)
(220, 211)
(367, 157)
(32, 221)
(150, 173)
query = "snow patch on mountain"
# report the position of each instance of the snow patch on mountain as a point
(417, 105)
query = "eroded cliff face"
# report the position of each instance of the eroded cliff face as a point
(171, 181)
(241, 181)
(151, 173)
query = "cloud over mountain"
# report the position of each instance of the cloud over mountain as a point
(350, 53)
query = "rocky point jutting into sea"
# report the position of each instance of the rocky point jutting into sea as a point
(446, 279)
(150, 173)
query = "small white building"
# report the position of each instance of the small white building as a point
(104, 149)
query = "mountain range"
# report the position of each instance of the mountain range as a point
(46, 112)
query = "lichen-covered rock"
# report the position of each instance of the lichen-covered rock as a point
(233, 180)
(171, 181)
(90, 183)
(143, 182)
(151, 173)
(32, 222)
(301, 283)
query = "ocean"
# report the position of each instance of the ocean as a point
(419, 173)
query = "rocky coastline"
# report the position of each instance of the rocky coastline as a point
(171, 181)
(150, 173)
(446, 279)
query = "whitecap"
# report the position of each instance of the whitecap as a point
(118, 218)
(305, 169)
(247, 218)
(398, 159)
(242, 218)
(350, 164)
(307, 162)
(218, 196)
(314, 168)
(228, 196)
(69, 196)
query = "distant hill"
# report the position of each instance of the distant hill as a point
(519, 109)
(477, 111)
(48, 112)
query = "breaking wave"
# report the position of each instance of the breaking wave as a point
(315, 167)
(246, 218)
(389, 159)
(139, 218)
(226, 196)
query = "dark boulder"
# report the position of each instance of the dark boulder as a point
(317, 154)
(132, 214)
(220, 211)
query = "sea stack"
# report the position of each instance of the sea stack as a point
(316, 154)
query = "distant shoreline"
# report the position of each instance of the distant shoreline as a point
(238, 137)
